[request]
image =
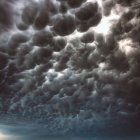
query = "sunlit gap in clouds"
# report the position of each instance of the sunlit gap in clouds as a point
(4, 136)
(104, 26)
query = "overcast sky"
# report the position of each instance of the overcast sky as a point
(71, 66)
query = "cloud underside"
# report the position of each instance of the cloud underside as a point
(70, 61)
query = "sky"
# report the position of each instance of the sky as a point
(69, 68)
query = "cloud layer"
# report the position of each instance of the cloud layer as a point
(63, 62)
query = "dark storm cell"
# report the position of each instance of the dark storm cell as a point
(41, 56)
(62, 64)
(20, 61)
(82, 27)
(60, 67)
(29, 13)
(11, 69)
(6, 17)
(69, 91)
(43, 68)
(45, 52)
(128, 16)
(2, 79)
(117, 29)
(134, 86)
(12, 48)
(106, 12)
(75, 3)
(138, 13)
(42, 38)
(24, 49)
(87, 11)
(59, 44)
(3, 60)
(64, 25)
(41, 20)
(107, 6)
(87, 37)
(135, 34)
(22, 26)
(119, 61)
(95, 20)
(128, 27)
(19, 38)
(63, 7)
(51, 6)
(124, 2)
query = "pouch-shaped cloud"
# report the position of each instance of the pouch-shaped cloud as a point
(29, 13)
(64, 25)
(41, 20)
(71, 66)
(87, 10)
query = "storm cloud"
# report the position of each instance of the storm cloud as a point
(71, 65)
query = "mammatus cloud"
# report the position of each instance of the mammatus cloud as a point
(67, 62)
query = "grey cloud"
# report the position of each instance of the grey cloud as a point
(42, 38)
(6, 15)
(22, 26)
(64, 25)
(107, 6)
(4, 60)
(59, 44)
(29, 13)
(67, 81)
(19, 38)
(88, 37)
(63, 7)
(42, 19)
(52, 6)
(86, 18)
(75, 3)
(85, 12)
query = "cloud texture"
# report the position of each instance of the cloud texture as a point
(71, 62)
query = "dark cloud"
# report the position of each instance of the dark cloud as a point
(42, 38)
(64, 25)
(22, 26)
(85, 12)
(19, 38)
(41, 20)
(59, 44)
(88, 37)
(63, 7)
(75, 3)
(6, 15)
(59, 72)
(29, 13)
(4, 60)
